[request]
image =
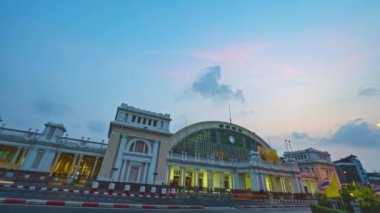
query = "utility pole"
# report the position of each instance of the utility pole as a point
(229, 109)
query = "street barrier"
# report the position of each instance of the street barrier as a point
(127, 188)
(94, 186)
(142, 191)
(111, 188)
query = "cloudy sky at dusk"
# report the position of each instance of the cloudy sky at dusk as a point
(307, 71)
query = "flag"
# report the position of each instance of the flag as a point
(332, 190)
(324, 184)
(268, 154)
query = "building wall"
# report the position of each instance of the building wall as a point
(114, 151)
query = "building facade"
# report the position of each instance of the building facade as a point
(350, 170)
(315, 166)
(207, 156)
(49, 154)
(210, 156)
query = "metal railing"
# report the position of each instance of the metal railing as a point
(231, 162)
(29, 136)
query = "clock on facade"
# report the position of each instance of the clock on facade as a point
(231, 139)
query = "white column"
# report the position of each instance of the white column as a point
(153, 163)
(296, 185)
(122, 145)
(182, 182)
(16, 154)
(235, 184)
(196, 181)
(24, 151)
(72, 165)
(139, 174)
(264, 185)
(128, 173)
(78, 164)
(94, 167)
(54, 163)
(29, 158)
(211, 176)
(168, 175)
(300, 185)
(146, 173)
(121, 170)
(221, 180)
(254, 182)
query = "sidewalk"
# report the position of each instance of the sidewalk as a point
(128, 205)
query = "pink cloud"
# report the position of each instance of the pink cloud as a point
(235, 53)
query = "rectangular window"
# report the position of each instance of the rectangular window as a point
(126, 117)
(154, 123)
(138, 119)
(133, 118)
(37, 160)
(144, 121)
(149, 122)
(133, 174)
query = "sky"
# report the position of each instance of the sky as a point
(305, 71)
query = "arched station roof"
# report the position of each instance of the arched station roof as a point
(217, 138)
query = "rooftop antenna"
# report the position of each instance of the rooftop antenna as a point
(290, 146)
(229, 109)
(286, 146)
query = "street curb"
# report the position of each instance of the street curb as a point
(119, 194)
(94, 204)
(81, 191)
(269, 206)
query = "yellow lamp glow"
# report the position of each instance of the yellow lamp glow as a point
(378, 124)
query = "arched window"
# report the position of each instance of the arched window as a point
(139, 147)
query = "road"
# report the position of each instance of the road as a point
(49, 209)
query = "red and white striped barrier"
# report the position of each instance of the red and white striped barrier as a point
(172, 193)
(269, 206)
(163, 192)
(94, 186)
(94, 204)
(111, 188)
(142, 191)
(127, 188)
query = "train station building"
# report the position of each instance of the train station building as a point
(205, 156)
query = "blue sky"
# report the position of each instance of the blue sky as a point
(307, 71)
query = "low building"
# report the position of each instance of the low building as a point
(49, 155)
(374, 177)
(315, 166)
(350, 170)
